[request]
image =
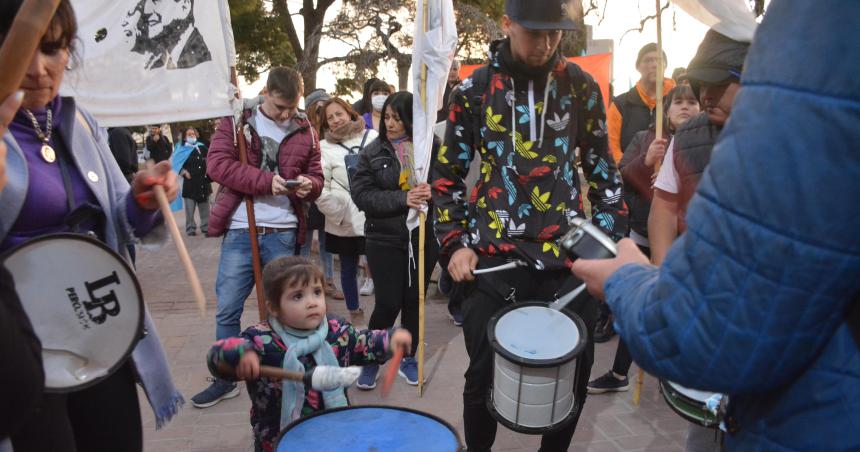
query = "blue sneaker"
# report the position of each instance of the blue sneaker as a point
(409, 370)
(367, 379)
(219, 390)
(455, 315)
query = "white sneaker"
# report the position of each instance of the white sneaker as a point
(367, 288)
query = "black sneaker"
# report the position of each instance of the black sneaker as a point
(608, 383)
(603, 330)
(219, 390)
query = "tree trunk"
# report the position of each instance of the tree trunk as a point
(403, 75)
(308, 64)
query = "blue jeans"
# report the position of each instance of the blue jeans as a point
(325, 256)
(348, 280)
(236, 273)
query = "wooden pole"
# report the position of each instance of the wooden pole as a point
(21, 42)
(184, 258)
(658, 120)
(421, 229)
(660, 70)
(256, 262)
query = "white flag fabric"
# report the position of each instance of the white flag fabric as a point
(730, 18)
(151, 62)
(434, 49)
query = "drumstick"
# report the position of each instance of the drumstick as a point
(508, 266)
(391, 371)
(21, 41)
(190, 272)
(563, 301)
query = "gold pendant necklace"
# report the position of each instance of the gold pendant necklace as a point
(47, 152)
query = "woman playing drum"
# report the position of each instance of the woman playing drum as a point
(63, 178)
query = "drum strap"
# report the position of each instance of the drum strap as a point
(853, 320)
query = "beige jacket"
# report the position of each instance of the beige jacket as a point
(342, 217)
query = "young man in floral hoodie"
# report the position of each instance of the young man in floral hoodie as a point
(525, 113)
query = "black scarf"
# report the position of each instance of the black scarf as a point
(519, 70)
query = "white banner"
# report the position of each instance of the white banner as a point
(731, 18)
(434, 49)
(151, 62)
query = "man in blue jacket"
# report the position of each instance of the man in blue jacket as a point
(753, 299)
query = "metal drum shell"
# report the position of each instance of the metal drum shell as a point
(689, 408)
(539, 386)
(534, 418)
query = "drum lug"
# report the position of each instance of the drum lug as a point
(143, 333)
(511, 297)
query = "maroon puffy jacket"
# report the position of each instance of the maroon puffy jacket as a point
(299, 154)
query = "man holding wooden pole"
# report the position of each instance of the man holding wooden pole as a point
(282, 173)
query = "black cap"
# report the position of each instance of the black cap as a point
(542, 14)
(718, 60)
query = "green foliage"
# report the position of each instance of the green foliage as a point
(261, 38)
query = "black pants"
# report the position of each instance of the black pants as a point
(486, 296)
(623, 360)
(392, 274)
(104, 417)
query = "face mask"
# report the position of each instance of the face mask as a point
(191, 140)
(378, 102)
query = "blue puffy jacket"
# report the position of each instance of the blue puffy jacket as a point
(752, 299)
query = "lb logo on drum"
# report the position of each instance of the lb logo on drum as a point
(103, 300)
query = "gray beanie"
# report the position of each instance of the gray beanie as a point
(315, 96)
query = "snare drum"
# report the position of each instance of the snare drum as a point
(537, 351)
(85, 305)
(690, 404)
(376, 428)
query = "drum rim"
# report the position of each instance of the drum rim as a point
(709, 420)
(86, 239)
(574, 411)
(388, 407)
(553, 362)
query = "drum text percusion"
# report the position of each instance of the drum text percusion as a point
(84, 302)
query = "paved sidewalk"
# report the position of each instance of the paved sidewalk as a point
(609, 423)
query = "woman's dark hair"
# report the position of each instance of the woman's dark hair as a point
(378, 85)
(353, 115)
(61, 33)
(364, 105)
(286, 272)
(683, 91)
(185, 133)
(401, 103)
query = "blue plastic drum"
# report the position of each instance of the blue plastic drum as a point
(369, 428)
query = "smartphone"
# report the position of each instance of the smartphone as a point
(292, 183)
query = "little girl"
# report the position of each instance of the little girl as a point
(297, 336)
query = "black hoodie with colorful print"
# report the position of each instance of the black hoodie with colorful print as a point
(532, 122)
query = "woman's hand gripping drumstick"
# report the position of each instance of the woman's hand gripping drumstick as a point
(154, 188)
(401, 343)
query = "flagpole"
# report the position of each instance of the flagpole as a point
(256, 262)
(658, 123)
(422, 92)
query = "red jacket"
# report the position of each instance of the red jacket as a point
(299, 154)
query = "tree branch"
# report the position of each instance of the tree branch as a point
(644, 21)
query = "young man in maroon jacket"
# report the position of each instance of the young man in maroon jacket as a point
(283, 172)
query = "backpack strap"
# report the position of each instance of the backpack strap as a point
(364, 138)
(480, 83)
